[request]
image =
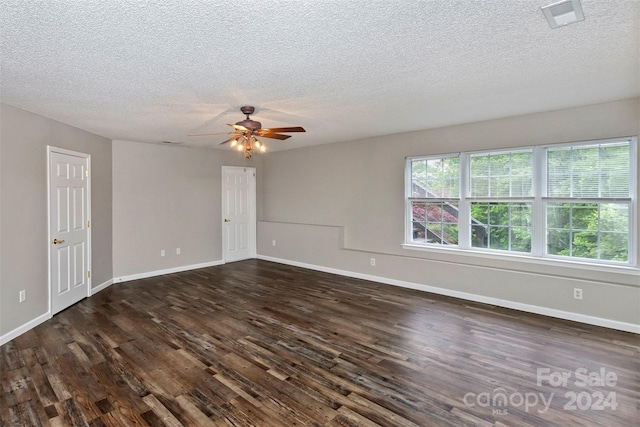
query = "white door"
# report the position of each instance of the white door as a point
(238, 213)
(69, 246)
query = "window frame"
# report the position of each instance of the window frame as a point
(409, 198)
(538, 200)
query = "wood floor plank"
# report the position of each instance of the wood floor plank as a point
(167, 418)
(255, 343)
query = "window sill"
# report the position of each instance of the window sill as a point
(471, 253)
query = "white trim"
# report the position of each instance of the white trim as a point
(148, 274)
(590, 142)
(633, 190)
(464, 205)
(538, 214)
(101, 287)
(24, 328)
(513, 256)
(582, 318)
(576, 317)
(432, 156)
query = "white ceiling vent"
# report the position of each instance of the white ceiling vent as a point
(563, 13)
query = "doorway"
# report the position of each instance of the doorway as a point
(238, 213)
(69, 221)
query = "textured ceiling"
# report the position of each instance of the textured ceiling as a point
(155, 71)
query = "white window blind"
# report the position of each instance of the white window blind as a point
(590, 171)
(501, 174)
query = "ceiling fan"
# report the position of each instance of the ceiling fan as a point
(245, 133)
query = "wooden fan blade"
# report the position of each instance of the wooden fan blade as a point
(238, 127)
(230, 139)
(289, 129)
(274, 136)
(208, 134)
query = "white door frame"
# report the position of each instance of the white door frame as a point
(87, 157)
(252, 212)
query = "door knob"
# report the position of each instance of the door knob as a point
(227, 220)
(56, 241)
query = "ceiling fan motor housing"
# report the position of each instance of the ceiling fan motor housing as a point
(247, 110)
(250, 124)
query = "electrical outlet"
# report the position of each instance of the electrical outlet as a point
(178, 251)
(163, 252)
(577, 293)
(373, 262)
(23, 295)
(273, 243)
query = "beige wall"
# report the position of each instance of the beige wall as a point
(312, 201)
(359, 186)
(168, 197)
(24, 137)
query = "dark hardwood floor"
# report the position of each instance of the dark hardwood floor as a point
(255, 343)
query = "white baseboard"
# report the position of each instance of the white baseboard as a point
(38, 320)
(545, 311)
(24, 328)
(167, 271)
(101, 287)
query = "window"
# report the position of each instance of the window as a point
(506, 178)
(569, 201)
(588, 201)
(435, 191)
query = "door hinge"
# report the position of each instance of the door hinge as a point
(87, 173)
(88, 224)
(88, 274)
